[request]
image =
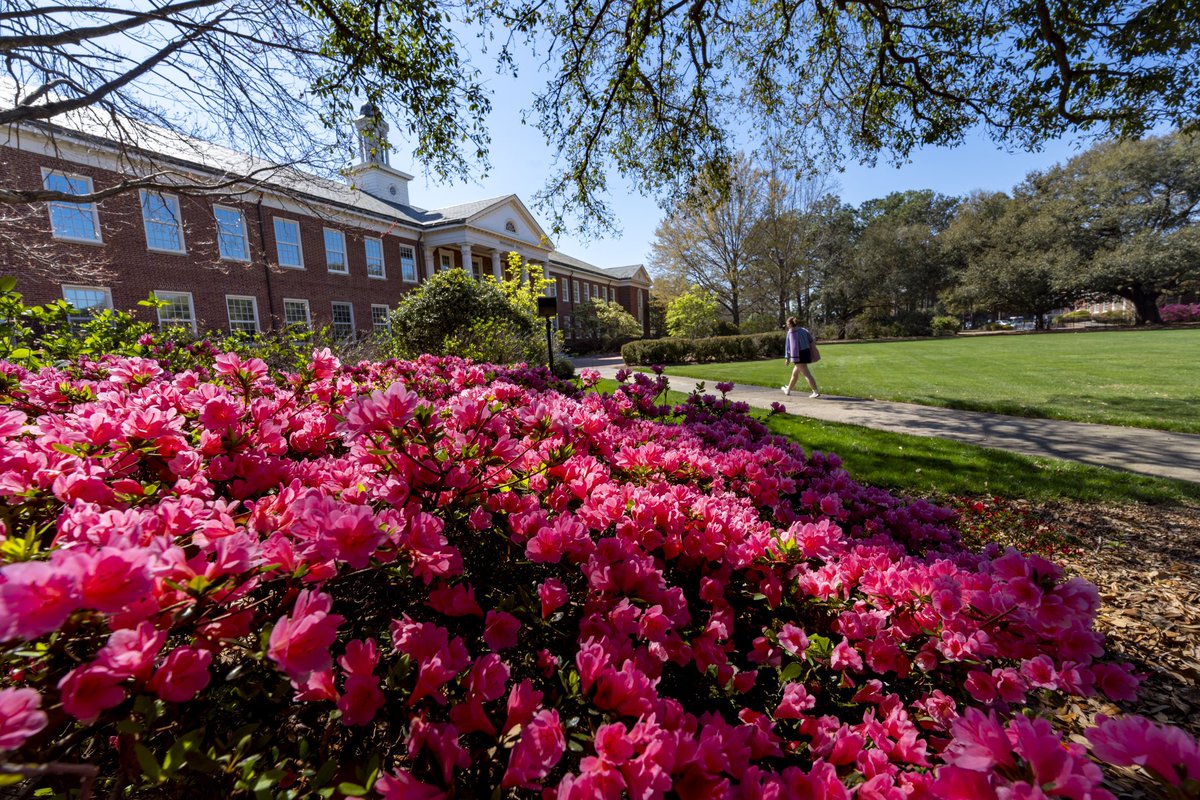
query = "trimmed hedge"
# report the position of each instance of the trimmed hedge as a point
(701, 351)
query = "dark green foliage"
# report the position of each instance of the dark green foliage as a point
(702, 351)
(454, 314)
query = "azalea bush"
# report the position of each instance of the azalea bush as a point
(436, 578)
(1180, 312)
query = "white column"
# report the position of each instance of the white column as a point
(497, 267)
(430, 266)
(466, 258)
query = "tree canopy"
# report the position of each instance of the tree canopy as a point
(660, 90)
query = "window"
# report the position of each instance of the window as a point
(408, 264)
(447, 261)
(566, 288)
(231, 234)
(76, 221)
(587, 292)
(552, 289)
(343, 320)
(243, 313)
(374, 250)
(295, 312)
(639, 294)
(177, 313)
(87, 300)
(287, 243)
(379, 319)
(335, 251)
(164, 226)
(576, 286)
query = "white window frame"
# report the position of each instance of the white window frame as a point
(408, 265)
(445, 262)
(587, 293)
(344, 269)
(307, 311)
(288, 223)
(165, 324)
(244, 235)
(253, 306)
(566, 288)
(353, 328)
(387, 318)
(171, 202)
(382, 262)
(51, 205)
(575, 286)
(85, 313)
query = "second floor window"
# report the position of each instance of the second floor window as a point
(566, 288)
(408, 264)
(374, 250)
(231, 234)
(287, 243)
(164, 226)
(335, 251)
(576, 285)
(77, 221)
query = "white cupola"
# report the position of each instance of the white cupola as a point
(372, 174)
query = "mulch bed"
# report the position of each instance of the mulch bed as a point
(1146, 562)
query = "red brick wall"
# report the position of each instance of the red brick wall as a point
(130, 270)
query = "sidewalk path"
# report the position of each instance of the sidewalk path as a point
(1150, 452)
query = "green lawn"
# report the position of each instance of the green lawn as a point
(1145, 379)
(930, 466)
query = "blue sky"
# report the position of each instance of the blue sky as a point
(521, 161)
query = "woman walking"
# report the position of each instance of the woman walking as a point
(797, 350)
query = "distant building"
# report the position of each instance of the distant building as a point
(290, 247)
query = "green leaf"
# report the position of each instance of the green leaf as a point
(351, 789)
(148, 763)
(7, 284)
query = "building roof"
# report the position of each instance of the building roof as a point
(608, 273)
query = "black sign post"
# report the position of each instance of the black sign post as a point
(548, 308)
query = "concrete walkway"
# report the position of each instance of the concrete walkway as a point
(1149, 452)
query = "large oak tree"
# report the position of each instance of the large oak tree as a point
(658, 89)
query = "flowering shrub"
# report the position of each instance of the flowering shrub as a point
(1180, 312)
(435, 578)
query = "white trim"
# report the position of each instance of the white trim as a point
(307, 311)
(162, 325)
(253, 307)
(50, 205)
(382, 276)
(345, 270)
(171, 202)
(245, 233)
(275, 221)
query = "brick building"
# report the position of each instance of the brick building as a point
(287, 247)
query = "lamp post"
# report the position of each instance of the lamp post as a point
(548, 308)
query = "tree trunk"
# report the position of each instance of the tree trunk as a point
(1145, 305)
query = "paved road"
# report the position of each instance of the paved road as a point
(1150, 452)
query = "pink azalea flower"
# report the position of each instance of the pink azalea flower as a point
(401, 785)
(553, 594)
(361, 700)
(36, 598)
(500, 630)
(89, 691)
(21, 716)
(130, 652)
(183, 675)
(539, 749)
(1163, 750)
(300, 643)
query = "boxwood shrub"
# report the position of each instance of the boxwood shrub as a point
(711, 349)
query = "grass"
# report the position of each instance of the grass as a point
(925, 466)
(1143, 379)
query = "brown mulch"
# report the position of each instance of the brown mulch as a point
(1146, 562)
